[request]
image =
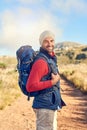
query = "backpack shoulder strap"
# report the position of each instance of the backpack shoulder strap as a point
(44, 57)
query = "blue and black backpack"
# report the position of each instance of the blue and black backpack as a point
(25, 57)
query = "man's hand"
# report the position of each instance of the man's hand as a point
(55, 78)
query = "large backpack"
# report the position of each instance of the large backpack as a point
(25, 57)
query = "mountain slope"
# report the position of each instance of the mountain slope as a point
(67, 45)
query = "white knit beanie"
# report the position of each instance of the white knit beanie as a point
(44, 35)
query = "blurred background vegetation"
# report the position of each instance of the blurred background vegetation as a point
(72, 62)
(9, 90)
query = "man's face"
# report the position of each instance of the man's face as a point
(48, 44)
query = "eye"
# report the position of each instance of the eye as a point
(45, 41)
(52, 40)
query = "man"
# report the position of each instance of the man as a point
(48, 100)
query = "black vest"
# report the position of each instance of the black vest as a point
(49, 98)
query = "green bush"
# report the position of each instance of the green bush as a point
(81, 56)
(70, 54)
(3, 66)
(84, 49)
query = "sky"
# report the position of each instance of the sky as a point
(22, 22)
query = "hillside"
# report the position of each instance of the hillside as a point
(71, 52)
(67, 45)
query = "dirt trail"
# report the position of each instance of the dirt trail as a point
(20, 116)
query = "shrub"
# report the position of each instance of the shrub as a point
(84, 49)
(3, 66)
(70, 54)
(81, 56)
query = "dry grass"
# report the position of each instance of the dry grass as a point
(77, 74)
(9, 89)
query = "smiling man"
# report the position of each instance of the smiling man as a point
(44, 78)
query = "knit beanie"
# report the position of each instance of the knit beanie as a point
(44, 35)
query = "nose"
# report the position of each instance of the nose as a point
(49, 42)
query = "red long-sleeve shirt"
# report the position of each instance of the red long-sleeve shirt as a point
(39, 69)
